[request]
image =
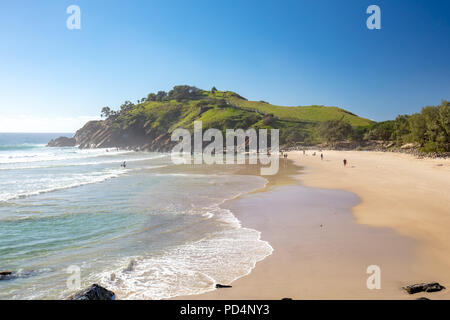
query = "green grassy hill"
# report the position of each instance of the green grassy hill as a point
(159, 114)
(301, 113)
(148, 124)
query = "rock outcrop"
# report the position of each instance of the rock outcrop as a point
(6, 275)
(94, 292)
(102, 134)
(62, 142)
(423, 287)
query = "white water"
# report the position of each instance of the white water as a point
(61, 207)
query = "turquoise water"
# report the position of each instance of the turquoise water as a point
(149, 231)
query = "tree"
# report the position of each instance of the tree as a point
(106, 112)
(401, 128)
(151, 97)
(127, 105)
(437, 120)
(293, 136)
(417, 127)
(335, 130)
(269, 119)
(381, 131)
(213, 90)
(161, 96)
(444, 118)
(184, 92)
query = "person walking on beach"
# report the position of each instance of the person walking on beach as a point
(345, 162)
(321, 156)
(303, 151)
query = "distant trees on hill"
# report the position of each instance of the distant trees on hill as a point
(430, 129)
(106, 112)
(184, 92)
(179, 93)
(335, 130)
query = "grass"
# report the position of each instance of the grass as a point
(313, 113)
(227, 110)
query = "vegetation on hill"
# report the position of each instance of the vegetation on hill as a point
(160, 113)
(430, 129)
(163, 112)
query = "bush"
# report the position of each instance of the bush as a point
(268, 119)
(335, 130)
(184, 92)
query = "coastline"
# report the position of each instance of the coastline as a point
(324, 239)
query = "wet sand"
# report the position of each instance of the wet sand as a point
(321, 246)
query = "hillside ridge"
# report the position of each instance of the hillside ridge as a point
(148, 123)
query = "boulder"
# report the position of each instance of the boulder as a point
(423, 287)
(131, 266)
(219, 286)
(6, 275)
(62, 142)
(94, 292)
(408, 146)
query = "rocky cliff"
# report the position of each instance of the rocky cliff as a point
(104, 134)
(62, 142)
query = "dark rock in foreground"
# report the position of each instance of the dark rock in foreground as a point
(219, 286)
(422, 298)
(424, 287)
(94, 292)
(62, 142)
(6, 275)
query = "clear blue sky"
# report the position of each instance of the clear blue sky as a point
(285, 52)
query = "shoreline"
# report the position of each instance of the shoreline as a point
(299, 267)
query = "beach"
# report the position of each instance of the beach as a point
(385, 209)
(156, 230)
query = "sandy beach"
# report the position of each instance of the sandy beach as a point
(329, 225)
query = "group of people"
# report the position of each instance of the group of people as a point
(321, 157)
(314, 154)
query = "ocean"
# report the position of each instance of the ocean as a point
(152, 230)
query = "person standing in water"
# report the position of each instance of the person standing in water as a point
(345, 162)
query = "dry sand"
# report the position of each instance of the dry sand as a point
(384, 209)
(398, 191)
